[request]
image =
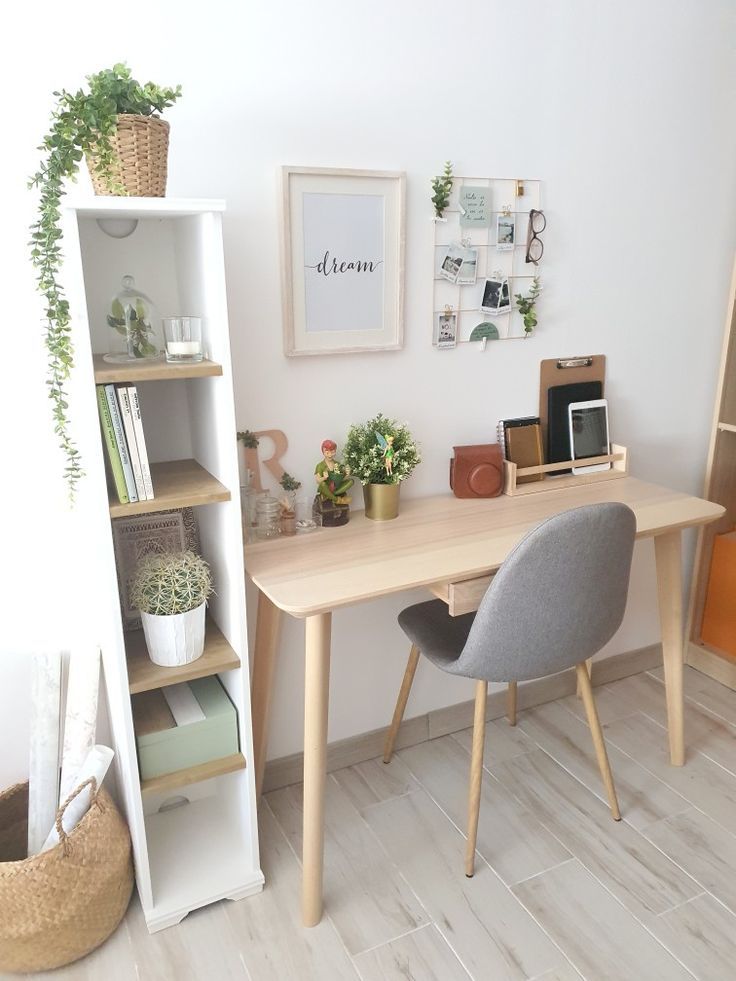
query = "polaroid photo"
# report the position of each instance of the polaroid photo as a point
(505, 232)
(496, 299)
(451, 263)
(469, 268)
(446, 330)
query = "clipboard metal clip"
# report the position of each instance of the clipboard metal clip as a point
(574, 362)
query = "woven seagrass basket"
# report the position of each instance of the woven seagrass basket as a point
(57, 906)
(141, 144)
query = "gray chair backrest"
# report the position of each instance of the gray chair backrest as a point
(557, 599)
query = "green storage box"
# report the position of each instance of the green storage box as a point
(163, 747)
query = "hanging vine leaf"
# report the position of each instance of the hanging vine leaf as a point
(80, 122)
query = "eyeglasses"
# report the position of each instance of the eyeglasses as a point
(534, 244)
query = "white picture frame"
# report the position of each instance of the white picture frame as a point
(342, 259)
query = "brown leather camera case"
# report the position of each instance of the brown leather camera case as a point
(477, 471)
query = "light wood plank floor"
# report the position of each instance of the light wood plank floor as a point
(560, 892)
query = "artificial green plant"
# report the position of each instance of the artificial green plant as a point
(171, 583)
(81, 123)
(442, 188)
(364, 451)
(526, 305)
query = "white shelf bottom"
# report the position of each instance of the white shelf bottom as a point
(198, 855)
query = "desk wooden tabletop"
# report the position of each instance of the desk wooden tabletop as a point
(439, 539)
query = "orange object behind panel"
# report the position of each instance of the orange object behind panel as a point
(719, 618)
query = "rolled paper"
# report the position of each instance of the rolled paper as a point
(80, 723)
(43, 773)
(96, 765)
(180, 348)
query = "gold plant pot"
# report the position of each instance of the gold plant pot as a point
(381, 501)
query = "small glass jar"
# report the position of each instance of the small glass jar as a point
(183, 339)
(248, 498)
(268, 517)
(132, 335)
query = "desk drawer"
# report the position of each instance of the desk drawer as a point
(461, 597)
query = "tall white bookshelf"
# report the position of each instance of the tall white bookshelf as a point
(195, 835)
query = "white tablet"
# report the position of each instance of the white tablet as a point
(589, 433)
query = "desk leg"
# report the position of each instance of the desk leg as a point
(268, 625)
(668, 555)
(316, 699)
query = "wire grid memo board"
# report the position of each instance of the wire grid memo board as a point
(464, 300)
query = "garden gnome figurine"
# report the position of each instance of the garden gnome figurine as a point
(332, 504)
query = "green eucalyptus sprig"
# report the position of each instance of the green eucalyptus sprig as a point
(526, 305)
(442, 187)
(81, 123)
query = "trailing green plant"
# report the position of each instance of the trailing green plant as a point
(170, 583)
(442, 188)
(526, 305)
(81, 123)
(365, 454)
(249, 440)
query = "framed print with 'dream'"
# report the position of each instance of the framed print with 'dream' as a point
(342, 260)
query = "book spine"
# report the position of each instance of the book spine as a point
(117, 425)
(111, 445)
(135, 460)
(140, 439)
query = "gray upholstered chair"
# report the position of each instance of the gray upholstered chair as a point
(556, 600)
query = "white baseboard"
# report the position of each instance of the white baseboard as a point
(367, 745)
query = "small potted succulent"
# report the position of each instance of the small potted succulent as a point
(381, 453)
(288, 503)
(170, 590)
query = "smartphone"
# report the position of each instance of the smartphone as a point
(589, 433)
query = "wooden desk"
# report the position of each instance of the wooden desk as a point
(435, 539)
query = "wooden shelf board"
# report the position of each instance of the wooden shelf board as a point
(176, 484)
(194, 774)
(726, 427)
(160, 370)
(144, 675)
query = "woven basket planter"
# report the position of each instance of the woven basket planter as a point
(57, 906)
(142, 147)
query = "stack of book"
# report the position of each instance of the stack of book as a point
(125, 444)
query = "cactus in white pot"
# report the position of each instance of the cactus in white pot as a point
(170, 590)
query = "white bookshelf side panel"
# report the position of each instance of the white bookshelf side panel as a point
(97, 617)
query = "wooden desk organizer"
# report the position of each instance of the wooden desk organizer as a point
(618, 457)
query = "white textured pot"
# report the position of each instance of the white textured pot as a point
(176, 639)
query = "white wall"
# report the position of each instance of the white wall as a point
(624, 109)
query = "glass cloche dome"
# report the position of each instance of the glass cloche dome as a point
(133, 321)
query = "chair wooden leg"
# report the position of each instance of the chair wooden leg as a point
(596, 732)
(589, 669)
(476, 773)
(401, 701)
(511, 703)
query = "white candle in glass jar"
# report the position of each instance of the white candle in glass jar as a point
(183, 348)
